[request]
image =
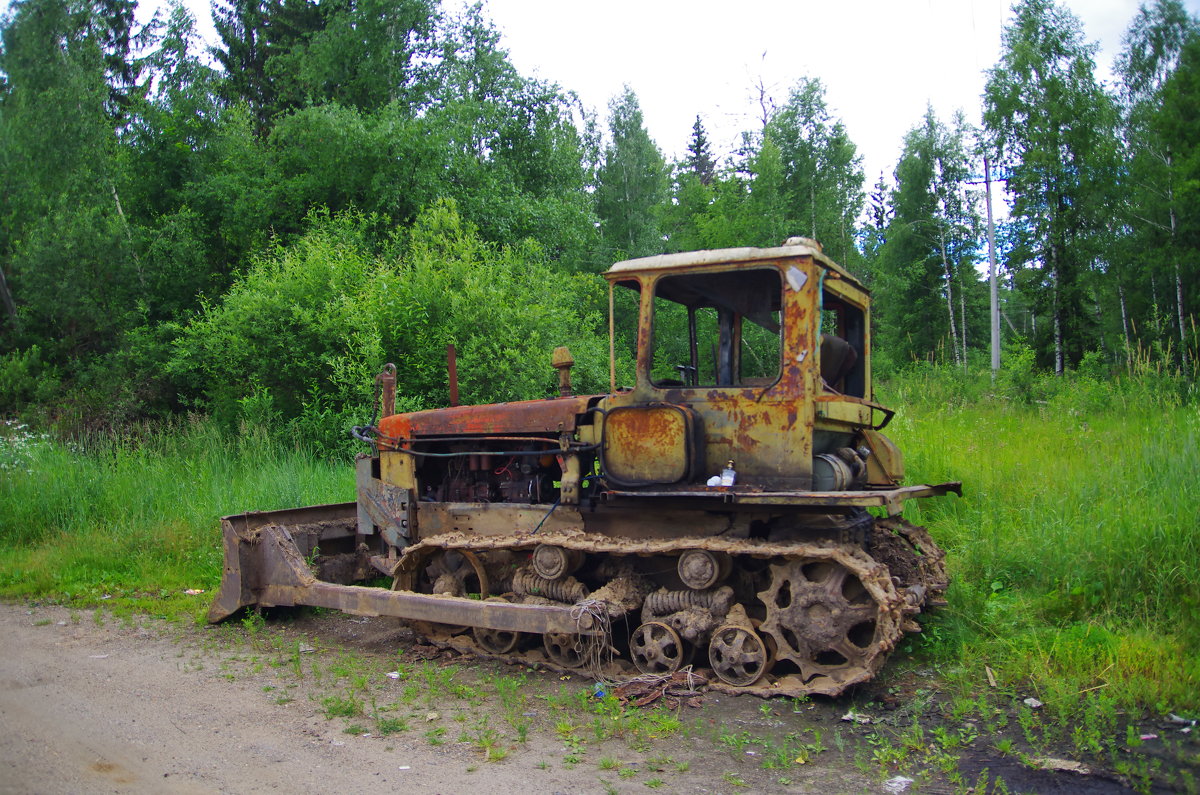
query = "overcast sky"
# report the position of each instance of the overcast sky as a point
(882, 61)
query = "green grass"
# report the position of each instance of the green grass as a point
(1074, 552)
(137, 518)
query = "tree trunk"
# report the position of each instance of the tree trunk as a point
(1056, 317)
(137, 263)
(812, 207)
(949, 294)
(6, 295)
(962, 321)
(1124, 324)
(1183, 349)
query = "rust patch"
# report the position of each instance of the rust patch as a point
(528, 416)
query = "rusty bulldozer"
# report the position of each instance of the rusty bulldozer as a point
(737, 509)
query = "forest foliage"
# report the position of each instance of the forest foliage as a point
(252, 228)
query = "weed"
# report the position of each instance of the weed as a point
(888, 756)
(436, 736)
(661, 723)
(253, 622)
(736, 741)
(520, 724)
(654, 783)
(945, 740)
(386, 726)
(437, 682)
(486, 738)
(734, 780)
(468, 693)
(341, 706)
(355, 728)
(940, 760)
(627, 772)
(608, 763)
(777, 757)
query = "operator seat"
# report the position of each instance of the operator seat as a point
(838, 358)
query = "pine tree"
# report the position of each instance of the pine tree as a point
(699, 159)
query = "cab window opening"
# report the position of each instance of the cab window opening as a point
(843, 340)
(717, 329)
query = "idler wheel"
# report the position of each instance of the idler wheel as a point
(738, 655)
(564, 649)
(700, 569)
(657, 649)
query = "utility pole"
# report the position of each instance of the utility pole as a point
(995, 304)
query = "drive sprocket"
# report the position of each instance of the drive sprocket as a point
(833, 612)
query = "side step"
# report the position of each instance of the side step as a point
(264, 566)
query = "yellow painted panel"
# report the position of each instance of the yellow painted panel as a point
(646, 444)
(398, 469)
(844, 411)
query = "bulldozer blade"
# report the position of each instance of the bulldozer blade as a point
(264, 566)
(242, 576)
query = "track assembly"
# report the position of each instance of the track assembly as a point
(822, 618)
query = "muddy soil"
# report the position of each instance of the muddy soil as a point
(92, 703)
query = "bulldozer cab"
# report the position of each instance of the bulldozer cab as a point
(769, 349)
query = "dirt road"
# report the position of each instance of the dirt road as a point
(110, 706)
(331, 703)
(88, 708)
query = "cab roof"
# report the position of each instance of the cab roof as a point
(745, 256)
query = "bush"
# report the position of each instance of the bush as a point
(298, 339)
(26, 379)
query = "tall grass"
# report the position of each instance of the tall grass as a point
(1075, 550)
(130, 516)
